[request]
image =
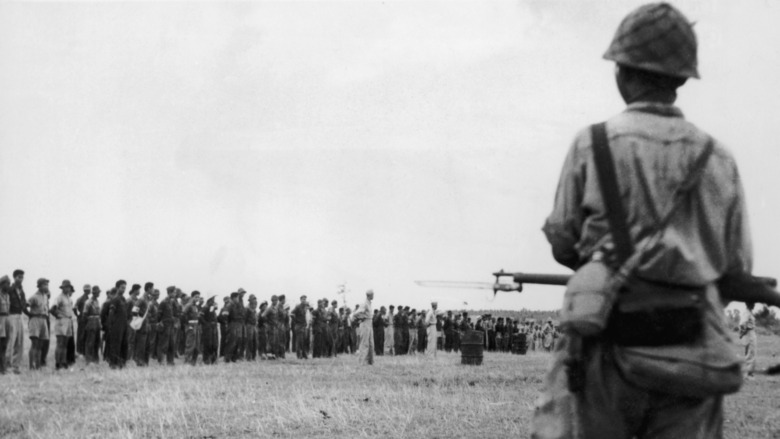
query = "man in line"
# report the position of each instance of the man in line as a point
(333, 329)
(378, 326)
(250, 329)
(223, 325)
(14, 327)
(390, 331)
(430, 323)
(141, 309)
(38, 329)
(282, 327)
(80, 321)
(262, 336)
(300, 328)
(5, 305)
(192, 333)
(63, 328)
(135, 291)
(411, 323)
(363, 317)
(269, 318)
(117, 327)
(166, 337)
(235, 319)
(208, 324)
(92, 327)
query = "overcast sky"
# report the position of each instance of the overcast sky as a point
(292, 147)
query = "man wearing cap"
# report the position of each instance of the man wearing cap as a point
(166, 341)
(223, 325)
(282, 327)
(92, 327)
(141, 309)
(63, 327)
(235, 319)
(250, 329)
(269, 319)
(299, 326)
(192, 332)
(363, 316)
(390, 331)
(262, 337)
(17, 304)
(241, 342)
(117, 327)
(79, 311)
(130, 303)
(333, 329)
(5, 305)
(655, 150)
(151, 320)
(208, 324)
(38, 329)
(178, 326)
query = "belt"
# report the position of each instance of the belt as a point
(93, 317)
(3, 314)
(38, 315)
(193, 322)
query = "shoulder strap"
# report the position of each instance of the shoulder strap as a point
(610, 192)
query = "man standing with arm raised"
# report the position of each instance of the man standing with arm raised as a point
(363, 316)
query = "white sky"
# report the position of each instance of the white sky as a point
(291, 147)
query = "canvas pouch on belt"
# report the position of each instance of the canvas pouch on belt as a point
(698, 367)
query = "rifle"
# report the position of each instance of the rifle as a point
(733, 288)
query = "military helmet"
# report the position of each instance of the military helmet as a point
(658, 38)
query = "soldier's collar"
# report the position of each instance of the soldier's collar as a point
(657, 108)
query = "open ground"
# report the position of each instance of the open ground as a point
(398, 397)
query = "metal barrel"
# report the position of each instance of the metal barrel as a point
(472, 345)
(520, 344)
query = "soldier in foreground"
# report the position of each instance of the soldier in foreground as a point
(597, 394)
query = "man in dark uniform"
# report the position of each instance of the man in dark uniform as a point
(208, 324)
(269, 319)
(80, 321)
(151, 318)
(300, 327)
(250, 329)
(132, 298)
(92, 329)
(140, 309)
(333, 329)
(166, 337)
(282, 327)
(104, 309)
(117, 327)
(192, 333)
(14, 326)
(262, 337)
(178, 327)
(223, 325)
(398, 338)
(447, 328)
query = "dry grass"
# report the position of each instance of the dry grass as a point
(398, 397)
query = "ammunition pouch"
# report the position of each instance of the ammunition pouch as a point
(656, 314)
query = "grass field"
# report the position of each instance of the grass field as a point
(398, 397)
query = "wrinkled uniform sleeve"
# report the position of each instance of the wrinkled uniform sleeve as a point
(564, 225)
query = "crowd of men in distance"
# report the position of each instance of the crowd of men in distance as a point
(142, 327)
